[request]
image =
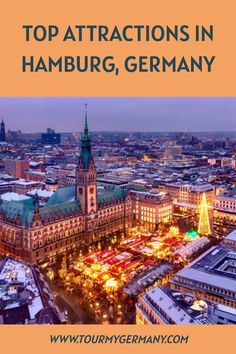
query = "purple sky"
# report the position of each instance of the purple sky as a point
(119, 114)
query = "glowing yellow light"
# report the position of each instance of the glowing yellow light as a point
(174, 231)
(204, 227)
(96, 266)
(145, 158)
(50, 274)
(111, 284)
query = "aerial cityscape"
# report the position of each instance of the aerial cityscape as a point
(118, 226)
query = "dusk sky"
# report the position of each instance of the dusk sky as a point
(119, 114)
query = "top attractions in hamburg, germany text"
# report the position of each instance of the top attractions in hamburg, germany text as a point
(130, 33)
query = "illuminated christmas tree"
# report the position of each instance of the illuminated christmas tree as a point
(204, 227)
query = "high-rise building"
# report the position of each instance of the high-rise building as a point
(51, 138)
(2, 132)
(16, 167)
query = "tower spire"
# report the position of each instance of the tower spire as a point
(86, 175)
(86, 119)
(85, 153)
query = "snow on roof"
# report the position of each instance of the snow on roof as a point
(34, 163)
(201, 187)
(9, 196)
(231, 236)
(208, 278)
(140, 181)
(37, 173)
(163, 300)
(17, 271)
(226, 309)
(185, 205)
(226, 196)
(35, 307)
(23, 182)
(41, 193)
(193, 187)
(193, 246)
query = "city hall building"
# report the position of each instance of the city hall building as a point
(75, 215)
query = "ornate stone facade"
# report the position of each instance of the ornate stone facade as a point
(75, 215)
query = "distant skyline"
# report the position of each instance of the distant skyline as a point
(66, 114)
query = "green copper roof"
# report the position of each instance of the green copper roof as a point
(137, 188)
(62, 195)
(110, 196)
(14, 209)
(67, 195)
(59, 210)
(61, 203)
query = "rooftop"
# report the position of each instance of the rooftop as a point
(227, 195)
(231, 236)
(174, 307)
(43, 193)
(147, 278)
(213, 271)
(23, 294)
(193, 187)
(9, 196)
(24, 182)
(152, 196)
(61, 202)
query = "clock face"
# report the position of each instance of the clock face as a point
(91, 190)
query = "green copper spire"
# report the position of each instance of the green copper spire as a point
(86, 120)
(85, 153)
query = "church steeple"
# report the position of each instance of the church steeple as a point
(2, 131)
(86, 175)
(86, 158)
(86, 120)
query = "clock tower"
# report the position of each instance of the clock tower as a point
(86, 175)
